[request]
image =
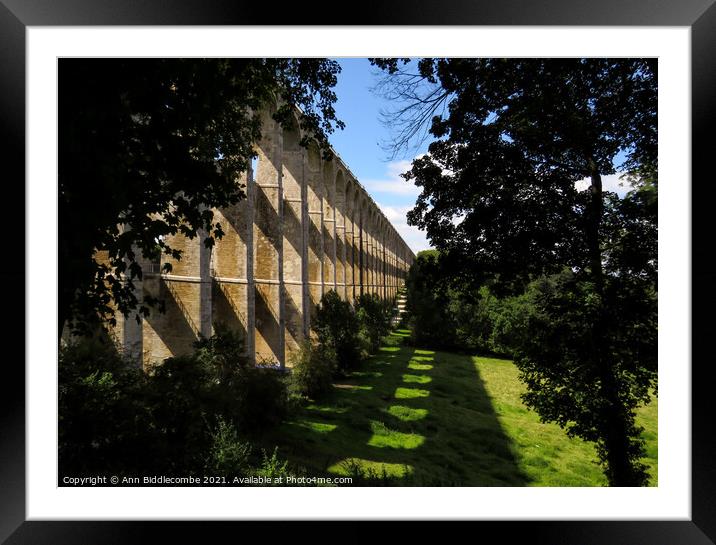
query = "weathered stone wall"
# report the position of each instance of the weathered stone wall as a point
(306, 227)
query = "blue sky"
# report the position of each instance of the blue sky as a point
(359, 147)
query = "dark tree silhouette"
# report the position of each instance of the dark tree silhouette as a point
(147, 147)
(499, 199)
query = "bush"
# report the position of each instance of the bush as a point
(102, 418)
(113, 417)
(374, 316)
(229, 456)
(447, 314)
(337, 327)
(259, 397)
(313, 367)
(223, 353)
(181, 396)
(428, 298)
(274, 468)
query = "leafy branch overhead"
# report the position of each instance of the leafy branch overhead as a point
(500, 200)
(149, 146)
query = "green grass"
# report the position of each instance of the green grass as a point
(425, 418)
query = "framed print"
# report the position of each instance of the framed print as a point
(39, 40)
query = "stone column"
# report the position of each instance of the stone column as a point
(329, 229)
(129, 328)
(315, 229)
(368, 252)
(293, 256)
(361, 248)
(375, 235)
(268, 246)
(173, 332)
(348, 240)
(356, 251)
(390, 265)
(383, 265)
(340, 210)
(250, 283)
(205, 302)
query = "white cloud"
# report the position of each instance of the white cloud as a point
(395, 213)
(610, 182)
(413, 237)
(393, 183)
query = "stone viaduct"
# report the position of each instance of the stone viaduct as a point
(306, 227)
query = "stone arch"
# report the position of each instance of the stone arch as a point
(307, 226)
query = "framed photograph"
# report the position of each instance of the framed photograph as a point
(39, 40)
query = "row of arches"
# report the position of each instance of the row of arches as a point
(306, 227)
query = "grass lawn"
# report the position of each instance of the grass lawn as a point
(425, 418)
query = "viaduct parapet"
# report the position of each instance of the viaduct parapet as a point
(306, 227)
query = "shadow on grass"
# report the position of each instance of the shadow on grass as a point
(408, 417)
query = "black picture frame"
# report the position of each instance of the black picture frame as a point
(16, 15)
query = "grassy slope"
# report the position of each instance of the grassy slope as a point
(436, 418)
(546, 455)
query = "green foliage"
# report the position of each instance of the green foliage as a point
(514, 138)
(337, 327)
(229, 455)
(259, 399)
(427, 303)
(558, 353)
(488, 324)
(362, 475)
(180, 395)
(345, 334)
(374, 316)
(223, 352)
(273, 467)
(188, 410)
(149, 146)
(313, 367)
(101, 415)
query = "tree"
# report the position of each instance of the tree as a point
(428, 295)
(147, 147)
(499, 195)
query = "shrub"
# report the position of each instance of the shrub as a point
(313, 368)
(102, 421)
(223, 353)
(374, 317)
(337, 327)
(274, 468)
(431, 322)
(181, 397)
(229, 455)
(252, 398)
(113, 417)
(259, 397)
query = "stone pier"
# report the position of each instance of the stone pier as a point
(306, 227)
